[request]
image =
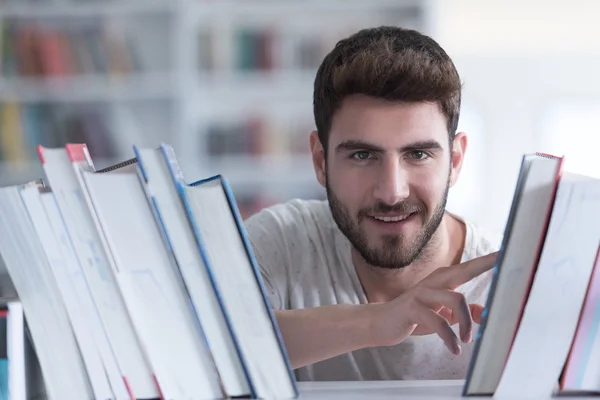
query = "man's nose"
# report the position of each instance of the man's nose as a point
(392, 183)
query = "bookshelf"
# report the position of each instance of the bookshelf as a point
(73, 70)
(251, 81)
(409, 389)
(228, 83)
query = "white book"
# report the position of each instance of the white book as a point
(153, 289)
(63, 168)
(582, 369)
(179, 236)
(220, 234)
(57, 263)
(81, 290)
(15, 349)
(559, 288)
(62, 367)
(515, 267)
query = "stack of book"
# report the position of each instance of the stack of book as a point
(136, 284)
(540, 333)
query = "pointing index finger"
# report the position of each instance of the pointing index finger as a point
(462, 273)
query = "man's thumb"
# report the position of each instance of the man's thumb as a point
(477, 312)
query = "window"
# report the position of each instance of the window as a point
(466, 198)
(573, 130)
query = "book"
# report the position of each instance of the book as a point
(13, 338)
(515, 266)
(551, 314)
(32, 199)
(539, 336)
(137, 283)
(582, 367)
(200, 287)
(57, 350)
(145, 296)
(126, 365)
(4, 365)
(216, 222)
(162, 316)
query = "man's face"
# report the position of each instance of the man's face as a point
(388, 170)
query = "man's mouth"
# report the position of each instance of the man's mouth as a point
(395, 218)
(392, 222)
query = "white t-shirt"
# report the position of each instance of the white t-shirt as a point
(305, 261)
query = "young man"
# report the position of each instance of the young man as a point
(379, 281)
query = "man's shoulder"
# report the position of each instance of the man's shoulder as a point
(288, 240)
(292, 213)
(298, 222)
(480, 241)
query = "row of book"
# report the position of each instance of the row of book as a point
(37, 50)
(257, 135)
(137, 284)
(25, 126)
(265, 49)
(37, 2)
(540, 333)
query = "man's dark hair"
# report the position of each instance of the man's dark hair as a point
(390, 63)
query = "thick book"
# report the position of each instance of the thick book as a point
(514, 270)
(179, 238)
(551, 315)
(582, 368)
(221, 236)
(151, 285)
(126, 365)
(65, 274)
(58, 353)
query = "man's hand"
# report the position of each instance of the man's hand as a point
(432, 306)
(315, 334)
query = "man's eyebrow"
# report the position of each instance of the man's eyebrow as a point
(349, 145)
(422, 145)
(358, 145)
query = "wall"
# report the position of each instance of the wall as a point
(517, 26)
(530, 75)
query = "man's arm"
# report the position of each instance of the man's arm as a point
(432, 306)
(315, 334)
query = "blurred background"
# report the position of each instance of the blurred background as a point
(228, 83)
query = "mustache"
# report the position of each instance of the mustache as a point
(382, 208)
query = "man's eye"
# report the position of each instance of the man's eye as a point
(418, 155)
(361, 155)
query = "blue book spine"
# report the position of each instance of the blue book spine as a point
(180, 186)
(259, 280)
(4, 362)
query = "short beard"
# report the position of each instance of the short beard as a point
(390, 255)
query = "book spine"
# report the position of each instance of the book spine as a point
(257, 275)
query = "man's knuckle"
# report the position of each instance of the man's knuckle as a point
(457, 299)
(440, 324)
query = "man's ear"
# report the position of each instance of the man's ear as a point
(318, 156)
(459, 148)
